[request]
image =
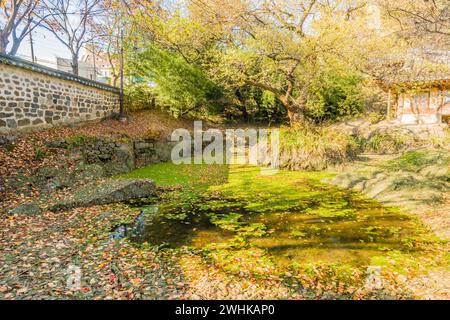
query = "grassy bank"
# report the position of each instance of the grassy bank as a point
(315, 148)
(318, 148)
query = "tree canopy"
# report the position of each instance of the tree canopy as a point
(311, 56)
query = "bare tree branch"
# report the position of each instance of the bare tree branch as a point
(70, 23)
(20, 19)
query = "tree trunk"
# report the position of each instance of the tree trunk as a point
(296, 113)
(15, 47)
(241, 105)
(75, 64)
(3, 43)
(114, 79)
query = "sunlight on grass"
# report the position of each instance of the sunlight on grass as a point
(169, 174)
(416, 160)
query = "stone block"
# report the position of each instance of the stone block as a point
(11, 123)
(6, 115)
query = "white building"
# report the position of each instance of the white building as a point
(85, 69)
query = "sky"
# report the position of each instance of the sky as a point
(46, 46)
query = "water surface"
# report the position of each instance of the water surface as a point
(292, 216)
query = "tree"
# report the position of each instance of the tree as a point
(281, 47)
(19, 19)
(424, 28)
(183, 87)
(429, 18)
(108, 43)
(111, 43)
(108, 30)
(70, 22)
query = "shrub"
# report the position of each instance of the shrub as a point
(334, 97)
(255, 105)
(397, 139)
(437, 140)
(375, 117)
(139, 97)
(39, 153)
(385, 142)
(181, 88)
(77, 140)
(315, 148)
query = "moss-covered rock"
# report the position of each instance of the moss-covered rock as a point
(110, 191)
(412, 180)
(29, 209)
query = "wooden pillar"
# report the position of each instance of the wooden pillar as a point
(389, 105)
(440, 100)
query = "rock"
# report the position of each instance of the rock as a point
(110, 191)
(378, 186)
(413, 190)
(104, 157)
(435, 171)
(360, 186)
(114, 157)
(54, 184)
(345, 180)
(86, 172)
(124, 154)
(58, 143)
(47, 173)
(163, 150)
(50, 178)
(7, 139)
(143, 145)
(29, 209)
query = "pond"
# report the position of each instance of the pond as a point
(290, 218)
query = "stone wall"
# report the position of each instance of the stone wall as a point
(33, 96)
(116, 155)
(125, 155)
(86, 159)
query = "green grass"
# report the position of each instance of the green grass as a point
(186, 175)
(414, 161)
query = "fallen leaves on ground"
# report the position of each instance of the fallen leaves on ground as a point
(36, 252)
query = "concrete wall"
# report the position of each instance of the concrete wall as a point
(33, 96)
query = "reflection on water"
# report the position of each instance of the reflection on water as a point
(323, 224)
